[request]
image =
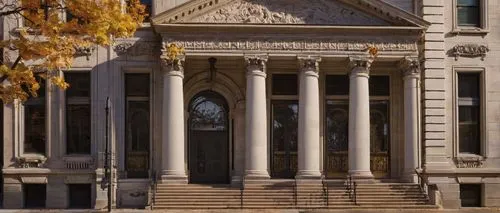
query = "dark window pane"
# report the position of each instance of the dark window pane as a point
(470, 195)
(468, 85)
(148, 4)
(468, 16)
(468, 114)
(79, 84)
(285, 84)
(34, 195)
(337, 117)
(379, 126)
(337, 85)
(137, 84)
(78, 129)
(137, 87)
(468, 2)
(379, 85)
(79, 196)
(284, 138)
(34, 129)
(208, 112)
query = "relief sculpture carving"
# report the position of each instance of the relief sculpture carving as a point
(323, 12)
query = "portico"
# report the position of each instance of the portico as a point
(302, 130)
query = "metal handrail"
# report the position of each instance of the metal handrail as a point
(153, 189)
(295, 191)
(424, 186)
(352, 189)
(242, 188)
(325, 190)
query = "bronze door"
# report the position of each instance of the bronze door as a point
(208, 155)
(284, 139)
(208, 139)
(337, 117)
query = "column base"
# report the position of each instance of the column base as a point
(361, 175)
(308, 174)
(173, 177)
(256, 175)
(410, 177)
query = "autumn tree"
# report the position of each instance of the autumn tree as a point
(47, 43)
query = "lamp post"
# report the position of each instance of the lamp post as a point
(106, 181)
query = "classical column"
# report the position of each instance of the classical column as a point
(308, 135)
(411, 77)
(359, 118)
(256, 118)
(173, 144)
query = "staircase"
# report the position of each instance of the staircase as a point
(289, 194)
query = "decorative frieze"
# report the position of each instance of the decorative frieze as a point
(136, 49)
(290, 44)
(78, 163)
(469, 50)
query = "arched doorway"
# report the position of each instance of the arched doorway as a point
(208, 138)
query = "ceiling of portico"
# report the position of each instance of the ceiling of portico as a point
(289, 12)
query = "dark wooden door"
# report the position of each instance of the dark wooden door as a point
(209, 157)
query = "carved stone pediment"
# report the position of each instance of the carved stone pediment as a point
(321, 12)
(292, 12)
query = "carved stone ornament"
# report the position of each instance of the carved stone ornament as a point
(309, 63)
(469, 162)
(137, 194)
(410, 66)
(84, 51)
(31, 161)
(360, 61)
(136, 49)
(206, 43)
(318, 12)
(256, 62)
(172, 65)
(469, 50)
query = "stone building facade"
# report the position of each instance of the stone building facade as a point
(283, 89)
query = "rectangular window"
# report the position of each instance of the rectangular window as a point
(468, 13)
(78, 113)
(285, 84)
(79, 196)
(284, 123)
(34, 122)
(469, 100)
(137, 133)
(34, 196)
(470, 195)
(337, 85)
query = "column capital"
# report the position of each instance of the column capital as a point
(169, 65)
(364, 62)
(309, 63)
(410, 67)
(256, 62)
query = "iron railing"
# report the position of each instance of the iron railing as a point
(153, 187)
(295, 191)
(325, 190)
(352, 189)
(242, 188)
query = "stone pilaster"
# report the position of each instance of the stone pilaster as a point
(359, 118)
(411, 79)
(239, 143)
(256, 159)
(308, 135)
(173, 146)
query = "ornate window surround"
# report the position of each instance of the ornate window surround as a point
(462, 158)
(484, 25)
